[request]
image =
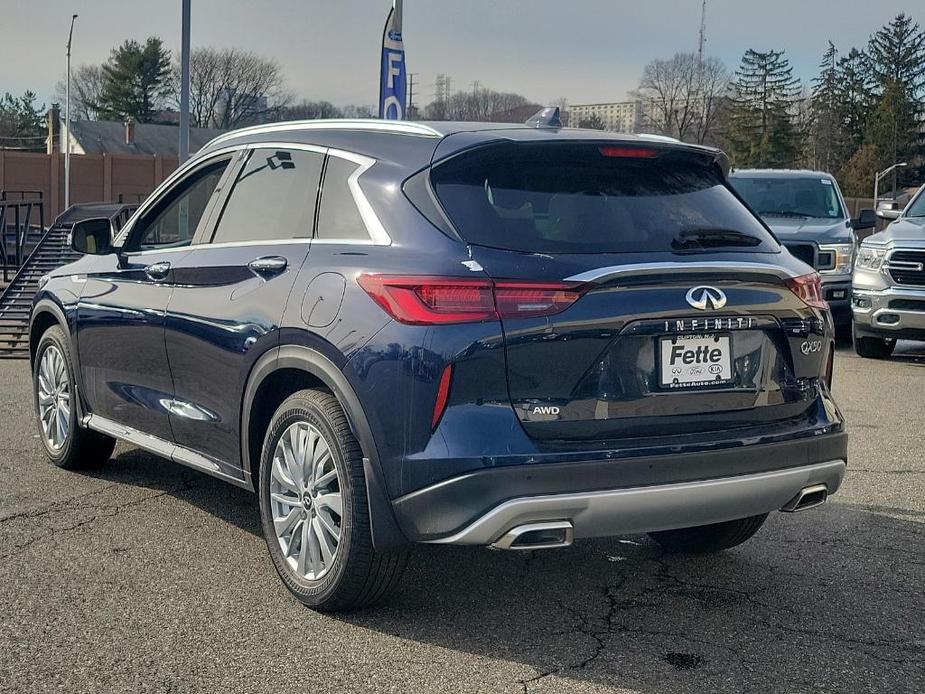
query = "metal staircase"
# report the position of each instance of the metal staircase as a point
(53, 251)
(50, 253)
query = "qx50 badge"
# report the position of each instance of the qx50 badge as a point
(703, 298)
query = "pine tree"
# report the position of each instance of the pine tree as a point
(896, 59)
(135, 81)
(855, 97)
(827, 126)
(22, 122)
(764, 94)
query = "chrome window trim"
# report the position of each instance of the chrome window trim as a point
(377, 233)
(368, 124)
(634, 269)
(155, 194)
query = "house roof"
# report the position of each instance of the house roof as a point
(108, 137)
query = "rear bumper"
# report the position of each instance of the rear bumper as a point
(658, 507)
(612, 497)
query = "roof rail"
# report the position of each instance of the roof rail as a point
(370, 124)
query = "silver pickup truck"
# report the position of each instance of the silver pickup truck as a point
(888, 297)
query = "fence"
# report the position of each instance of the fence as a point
(94, 177)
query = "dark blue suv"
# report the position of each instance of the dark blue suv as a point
(473, 334)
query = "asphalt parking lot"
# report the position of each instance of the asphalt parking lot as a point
(146, 576)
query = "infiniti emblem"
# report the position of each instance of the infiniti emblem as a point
(703, 298)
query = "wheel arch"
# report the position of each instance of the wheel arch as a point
(314, 369)
(45, 314)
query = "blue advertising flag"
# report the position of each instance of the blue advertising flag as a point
(392, 74)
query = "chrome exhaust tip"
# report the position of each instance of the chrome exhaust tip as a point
(546, 535)
(808, 497)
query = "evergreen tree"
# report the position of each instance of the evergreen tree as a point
(761, 128)
(22, 123)
(826, 117)
(896, 59)
(135, 81)
(855, 97)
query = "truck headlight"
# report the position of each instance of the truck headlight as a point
(870, 258)
(842, 258)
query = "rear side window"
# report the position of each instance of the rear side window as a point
(339, 218)
(593, 198)
(273, 198)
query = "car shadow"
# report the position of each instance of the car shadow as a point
(825, 600)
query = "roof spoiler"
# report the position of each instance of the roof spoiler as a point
(545, 118)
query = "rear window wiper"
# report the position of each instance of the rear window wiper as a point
(710, 237)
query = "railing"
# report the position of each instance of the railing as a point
(22, 223)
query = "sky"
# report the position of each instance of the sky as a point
(582, 50)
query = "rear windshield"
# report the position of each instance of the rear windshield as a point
(593, 198)
(805, 196)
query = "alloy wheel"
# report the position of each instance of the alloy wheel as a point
(54, 396)
(305, 501)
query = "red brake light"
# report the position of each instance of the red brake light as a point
(436, 300)
(809, 289)
(630, 152)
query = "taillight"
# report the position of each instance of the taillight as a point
(419, 300)
(526, 299)
(809, 289)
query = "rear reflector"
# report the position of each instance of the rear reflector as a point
(809, 289)
(437, 300)
(630, 152)
(443, 394)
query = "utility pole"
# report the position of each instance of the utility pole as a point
(67, 121)
(183, 152)
(703, 31)
(411, 76)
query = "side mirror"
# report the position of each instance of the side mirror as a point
(867, 219)
(889, 210)
(92, 236)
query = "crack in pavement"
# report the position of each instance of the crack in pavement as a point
(107, 511)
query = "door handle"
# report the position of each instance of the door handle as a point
(157, 271)
(268, 266)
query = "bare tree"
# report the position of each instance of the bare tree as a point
(230, 88)
(310, 110)
(477, 105)
(682, 95)
(86, 89)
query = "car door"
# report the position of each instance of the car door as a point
(121, 311)
(230, 292)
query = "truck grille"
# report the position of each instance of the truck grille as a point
(907, 267)
(803, 251)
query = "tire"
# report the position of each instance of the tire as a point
(354, 574)
(706, 539)
(872, 347)
(76, 447)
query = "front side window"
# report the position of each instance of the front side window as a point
(173, 222)
(339, 219)
(273, 198)
(805, 196)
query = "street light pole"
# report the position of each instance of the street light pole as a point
(880, 176)
(67, 121)
(184, 82)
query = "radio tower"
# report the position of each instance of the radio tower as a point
(703, 32)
